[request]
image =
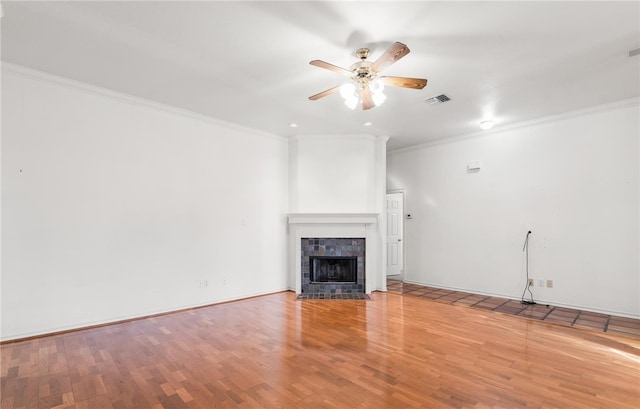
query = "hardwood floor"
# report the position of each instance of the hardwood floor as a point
(279, 352)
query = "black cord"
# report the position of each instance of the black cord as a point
(525, 248)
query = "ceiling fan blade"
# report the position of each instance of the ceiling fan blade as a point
(331, 67)
(324, 93)
(367, 98)
(415, 83)
(391, 55)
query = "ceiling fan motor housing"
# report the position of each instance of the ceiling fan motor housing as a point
(362, 72)
(362, 53)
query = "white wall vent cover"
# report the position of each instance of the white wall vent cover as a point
(439, 99)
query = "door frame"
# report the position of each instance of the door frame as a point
(403, 191)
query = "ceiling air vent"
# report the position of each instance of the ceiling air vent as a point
(439, 99)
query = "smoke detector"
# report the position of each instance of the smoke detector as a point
(438, 99)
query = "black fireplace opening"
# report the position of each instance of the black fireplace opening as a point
(333, 269)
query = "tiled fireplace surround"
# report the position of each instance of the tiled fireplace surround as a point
(338, 232)
(337, 247)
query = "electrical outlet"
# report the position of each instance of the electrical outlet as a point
(224, 281)
(202, 283)
(549, 283)
(540, 283)
(531, 282)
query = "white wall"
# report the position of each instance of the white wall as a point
(573, 181)
(114, 208)
(334, 174)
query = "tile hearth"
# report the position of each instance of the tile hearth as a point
(629, 327)
(350, 296)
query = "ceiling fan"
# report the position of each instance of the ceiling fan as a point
(368, 85)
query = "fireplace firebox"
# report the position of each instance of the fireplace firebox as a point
(327, 269)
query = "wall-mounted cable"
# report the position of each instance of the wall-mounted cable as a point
(525, 248)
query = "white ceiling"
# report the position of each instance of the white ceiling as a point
(248, 62)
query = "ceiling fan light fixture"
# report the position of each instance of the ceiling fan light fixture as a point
(486, 124)
(378, 98)
(351, 102)
(347, 90)
(376, 85)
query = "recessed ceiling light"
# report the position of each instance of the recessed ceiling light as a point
(293, 125)
(368, 123)
(486, 124)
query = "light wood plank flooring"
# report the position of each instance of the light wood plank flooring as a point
(278, 352)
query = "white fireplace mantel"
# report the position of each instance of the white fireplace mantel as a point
(339, 218)
(334, 225)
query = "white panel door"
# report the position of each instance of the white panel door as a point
(394, 233)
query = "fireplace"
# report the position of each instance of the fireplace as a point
(333, 265)
(328, 269)
(334, 235)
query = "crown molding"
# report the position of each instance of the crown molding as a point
(307, 137)
(621, 104)
(15, 69)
